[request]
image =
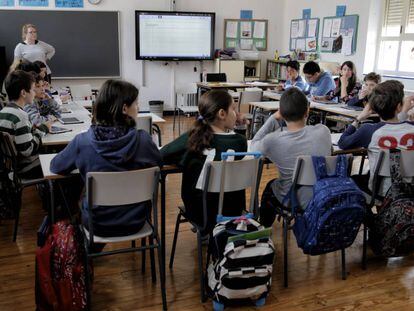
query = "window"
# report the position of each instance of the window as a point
(396, 43)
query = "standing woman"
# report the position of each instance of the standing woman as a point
(32, 49)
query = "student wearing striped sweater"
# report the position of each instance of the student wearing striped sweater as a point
(43, 108)
(15, 121)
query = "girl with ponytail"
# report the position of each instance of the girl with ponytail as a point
(211, 134)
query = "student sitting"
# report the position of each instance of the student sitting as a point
(15, 121)
(387, 100)
(44, 108)
(43, 74)
(320, 82)
(111, 144)
(370, 82)
(347, 88)
(284, 145)
(294, 79)
(211, 134)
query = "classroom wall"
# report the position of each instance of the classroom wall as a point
(157, 79)
(370, 18)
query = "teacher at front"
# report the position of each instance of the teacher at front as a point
(32, 49)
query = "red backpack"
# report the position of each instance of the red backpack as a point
(60, 268)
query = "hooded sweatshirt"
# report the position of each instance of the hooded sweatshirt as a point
(110, 149)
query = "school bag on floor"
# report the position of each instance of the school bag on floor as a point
(332, 219)
(391, 231)
(242, 265)
(60, 270)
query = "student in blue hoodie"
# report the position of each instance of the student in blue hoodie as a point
(320, 82)
(111, 144)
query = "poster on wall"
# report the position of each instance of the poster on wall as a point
(69, 3)
(6, 2)
(34, 2)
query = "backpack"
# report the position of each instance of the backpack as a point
(332, 218)
(60, 269)
(242, 265)
(391, 231)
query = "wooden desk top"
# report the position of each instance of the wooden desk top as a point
(268, 106)
(272, 95)
(240, 85)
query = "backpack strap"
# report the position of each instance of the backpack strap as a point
(341, 169)
(319, 165)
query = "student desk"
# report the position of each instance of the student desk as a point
(272, 95)
(84, 115)
(207, 86)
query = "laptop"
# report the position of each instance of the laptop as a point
(69, 120)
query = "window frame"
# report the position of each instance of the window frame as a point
(402, 37)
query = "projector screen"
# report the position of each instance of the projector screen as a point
(174, 35)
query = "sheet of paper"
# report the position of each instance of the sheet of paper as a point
(311, 44)
(327, 26)
(34, 2)
(259, 30)
(246, 29)
(246, 44)
(327, 44)
(346, 45)
(301, 45)
(301, 28)
(231, 30)
(69, 3)
(336, 26)
(294, 29)
(259, 44)
(231, 43)
(293, 44)
(312, 23)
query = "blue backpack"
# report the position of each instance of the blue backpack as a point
(332, 218)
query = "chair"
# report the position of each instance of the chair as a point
(247, 97)
(144, 123)
(81, 91)
(122, 188)
(11, 184)
(304, 175)
(381, 171)
(186, 101)
(221, 177)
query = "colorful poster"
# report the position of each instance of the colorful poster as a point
(6, 2)
(34, 2)
(69, 3)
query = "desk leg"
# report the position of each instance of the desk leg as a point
(52, 202)
(253, 122)
(163, 177)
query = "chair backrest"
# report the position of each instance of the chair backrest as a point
(144, 123)
(304, 172)
(216, 77)
(227, 176)
(247, 97)
(8, 155)
(81, 91)
(121, 188)
(382, 167)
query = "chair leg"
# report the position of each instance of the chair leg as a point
(343, 264)
(16, 222)
(175, 111)
(133, 244)
(143, 244)
(88, 280)
(162, 277)
(285, 252)
(174, 244)
(364, 248)
(152, 258)
(200, 266)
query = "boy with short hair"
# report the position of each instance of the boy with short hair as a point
(392, 132)
(371, 80)
(43, 108)
(284, 145)
(320, 82)
(15, 121)
(293, 77)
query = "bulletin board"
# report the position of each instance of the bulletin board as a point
(339, 34)
(304, 34)
(245, 34)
